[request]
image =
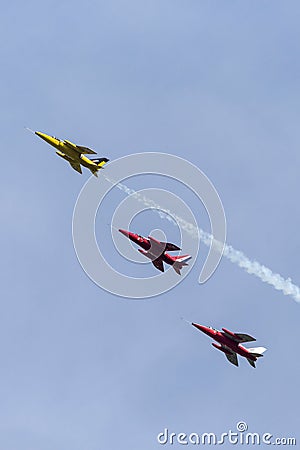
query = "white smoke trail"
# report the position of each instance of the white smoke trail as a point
(235, 256)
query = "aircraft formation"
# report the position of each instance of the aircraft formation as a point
(156, 251)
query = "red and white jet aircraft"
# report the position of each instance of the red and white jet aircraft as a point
(156, 251)
(231, 344)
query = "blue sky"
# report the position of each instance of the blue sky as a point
(214, 82)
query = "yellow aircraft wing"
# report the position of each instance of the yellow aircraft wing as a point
(85, 150)
(82, 150)
(76, 166)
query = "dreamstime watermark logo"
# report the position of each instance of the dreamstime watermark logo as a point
(239, 436)
(164, 202)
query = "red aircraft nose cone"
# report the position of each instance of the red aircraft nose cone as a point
(126, 233)
(205, 330)
(200, 327)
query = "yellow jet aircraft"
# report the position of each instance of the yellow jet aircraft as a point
(74, 154)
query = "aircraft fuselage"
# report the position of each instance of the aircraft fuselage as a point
(225, 341)
(67, 150)
(146, 245)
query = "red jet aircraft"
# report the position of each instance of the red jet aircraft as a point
(230, 344)
(156, 251)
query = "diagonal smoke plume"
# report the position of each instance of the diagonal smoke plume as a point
(235, 256)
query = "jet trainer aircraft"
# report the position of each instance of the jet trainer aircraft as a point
(156, 251)
(74, 154)
(230, 344)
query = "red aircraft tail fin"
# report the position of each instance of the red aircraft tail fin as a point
(179, 262)
(182, 258)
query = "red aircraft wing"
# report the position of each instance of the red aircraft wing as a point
(171, 247)
(158, 263)
(232, 357)
(162, 246)
(244, 337)
(237, 337)
(157, 248)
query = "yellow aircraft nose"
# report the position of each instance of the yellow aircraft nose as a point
(49, 139)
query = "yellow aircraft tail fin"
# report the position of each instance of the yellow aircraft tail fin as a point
(100, 161)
